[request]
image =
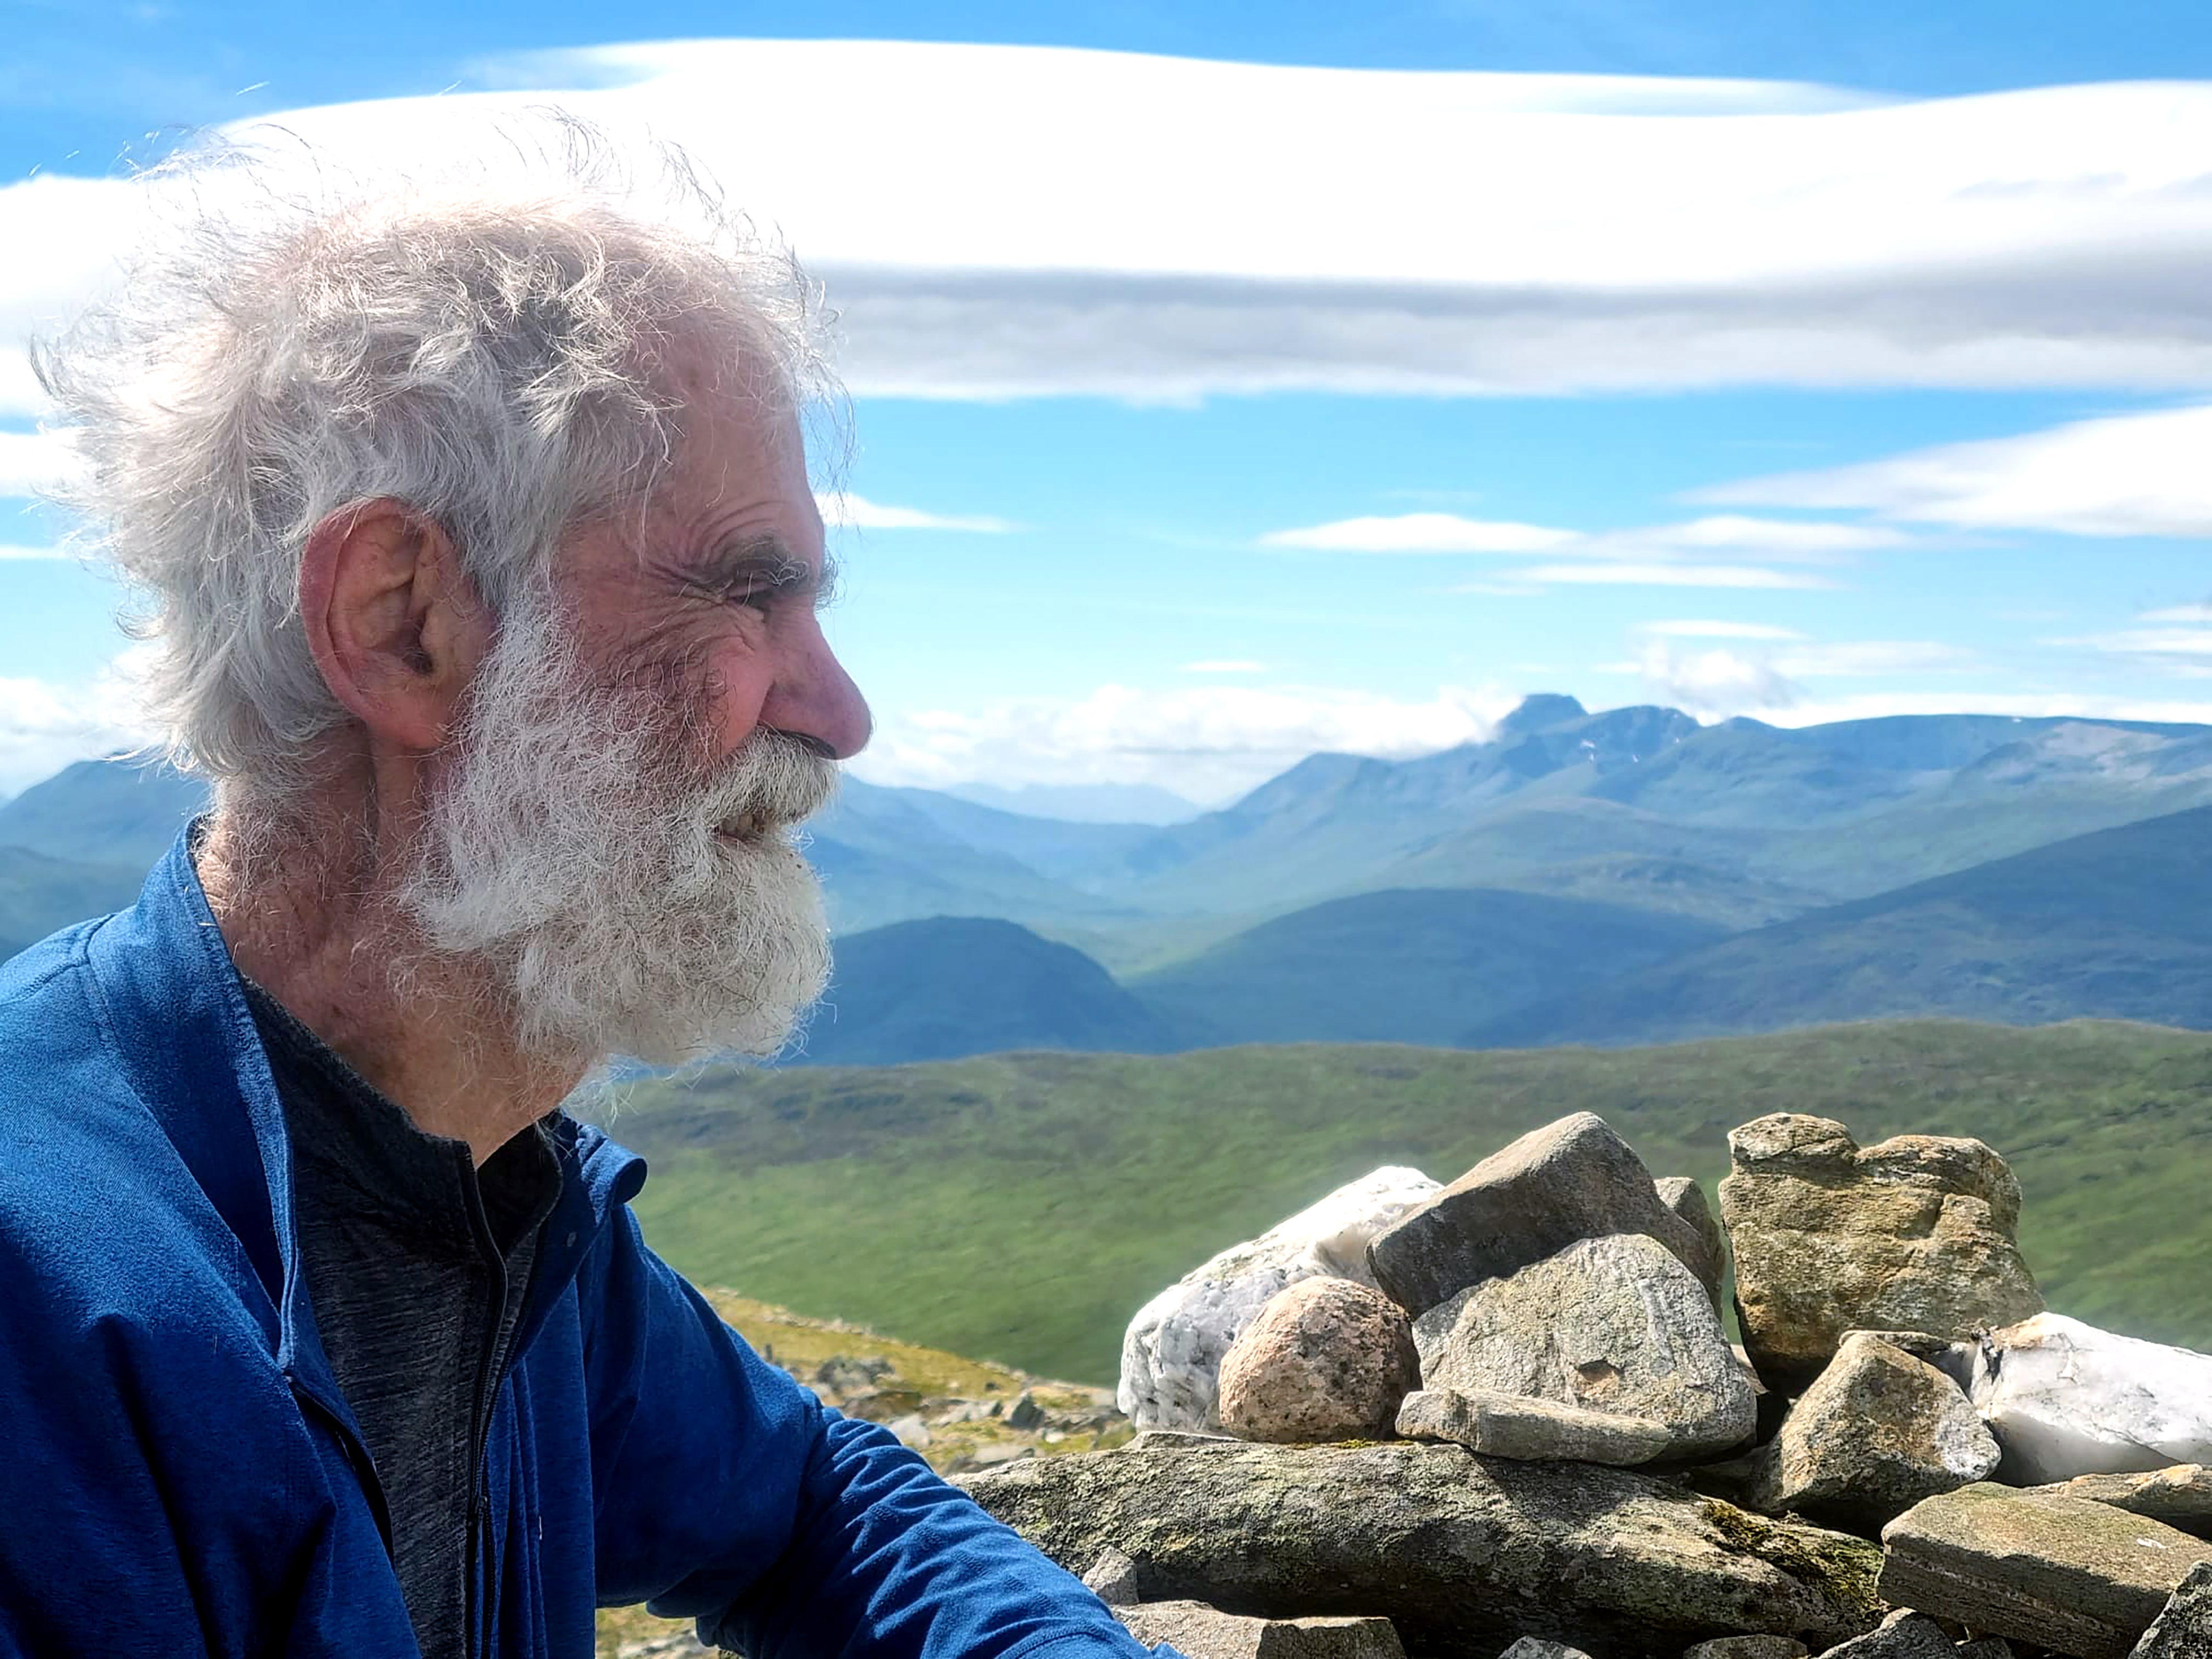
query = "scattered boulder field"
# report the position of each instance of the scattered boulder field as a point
(1503, 1419)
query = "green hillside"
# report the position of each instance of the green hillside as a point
(1405, 966)
(954, 986)
(1023, 1206)
(2113, 925)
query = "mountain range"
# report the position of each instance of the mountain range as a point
(1626, 876)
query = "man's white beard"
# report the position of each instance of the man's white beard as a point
(572, 848)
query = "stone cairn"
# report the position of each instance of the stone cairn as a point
(1502, 1419)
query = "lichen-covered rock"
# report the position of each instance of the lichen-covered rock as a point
(1464, 1553)
(1616, 1325)
(2183, 1629)
(1325, 1360)
(1748, 1647)
(1555, 1186)
(1877, 1433)
(1907, 1637)
(1687, 1199)
(1199, 1631)
(2181, 1496)
(2064, 1573)
(1915, 1234)
(2065, 1399)
(1171, 1354)
(1533, 1431)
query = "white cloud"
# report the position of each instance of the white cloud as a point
(1654, 574)
(1421, 533)
(2024, 705)
(1722, 681)
(44, 725)
(1773, 538)
(2120, 475)
(2179, 613)
(1645, 233)
(1206, 743)
(1690, 629)
(8, 553)
(859, 512)
(1227, 666)
(2156, 644)
(32, 462)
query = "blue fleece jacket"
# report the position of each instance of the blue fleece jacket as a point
(179, 1474)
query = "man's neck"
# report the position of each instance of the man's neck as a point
(308, 919)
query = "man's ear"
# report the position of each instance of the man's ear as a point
(395, 624)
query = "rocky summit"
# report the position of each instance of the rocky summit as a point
(1500, 1416)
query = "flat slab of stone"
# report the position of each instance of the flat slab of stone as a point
(1199, 1631)
(1914, 1234)
(2183, 1629)
(1532, 1431)
(1879, 1431)
(1465, 1553)
(1616, 1325)
(1171, 1353)
(1570, 1181)
(2065, 1399)
(2064, 1573)
(1902, 1635)
(2181, 1496)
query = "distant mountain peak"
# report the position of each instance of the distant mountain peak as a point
(1540, 713)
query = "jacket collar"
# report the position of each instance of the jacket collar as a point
(177, 1014)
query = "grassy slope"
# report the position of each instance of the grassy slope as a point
(1023, 1206)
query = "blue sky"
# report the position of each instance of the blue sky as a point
(1734, 356)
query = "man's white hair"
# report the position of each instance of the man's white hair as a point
(483, 346)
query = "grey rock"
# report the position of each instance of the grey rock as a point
(1913, 1636)
(910, 1430)
(1616, 1325)
(1514, 1425)
(1466, 1553)
(1984, 1647)
(2183, 1629)
(2181, 1496)
(1877, 1433)
(1748, 1647)
(1554, 1186)
(1171, 1353)
(1915, 1234)
(2077, 1577)
(1326, 1359)
(1026, 1413)
(1687, 1199)
(1199, 1631)
(1115, 1579)
(1529, 1647)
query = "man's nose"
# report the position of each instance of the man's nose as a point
(819, 702)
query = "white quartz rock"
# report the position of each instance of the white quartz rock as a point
(2065, 1399)
(1171, 1356)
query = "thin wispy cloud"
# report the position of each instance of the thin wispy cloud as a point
(1724, 233)
(1691, 629)
(1420, 532)
(2179, 613)
(858, 513)
(1225, 665)
(32, 463)
(2120, 475)
(9, 554)
(1651, 573)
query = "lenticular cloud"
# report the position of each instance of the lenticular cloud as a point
(1001, 221)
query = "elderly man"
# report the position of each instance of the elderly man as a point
(483, 568)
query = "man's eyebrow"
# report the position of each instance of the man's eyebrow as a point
(765, 565)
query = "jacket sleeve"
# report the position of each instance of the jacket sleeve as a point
(728, 1494)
